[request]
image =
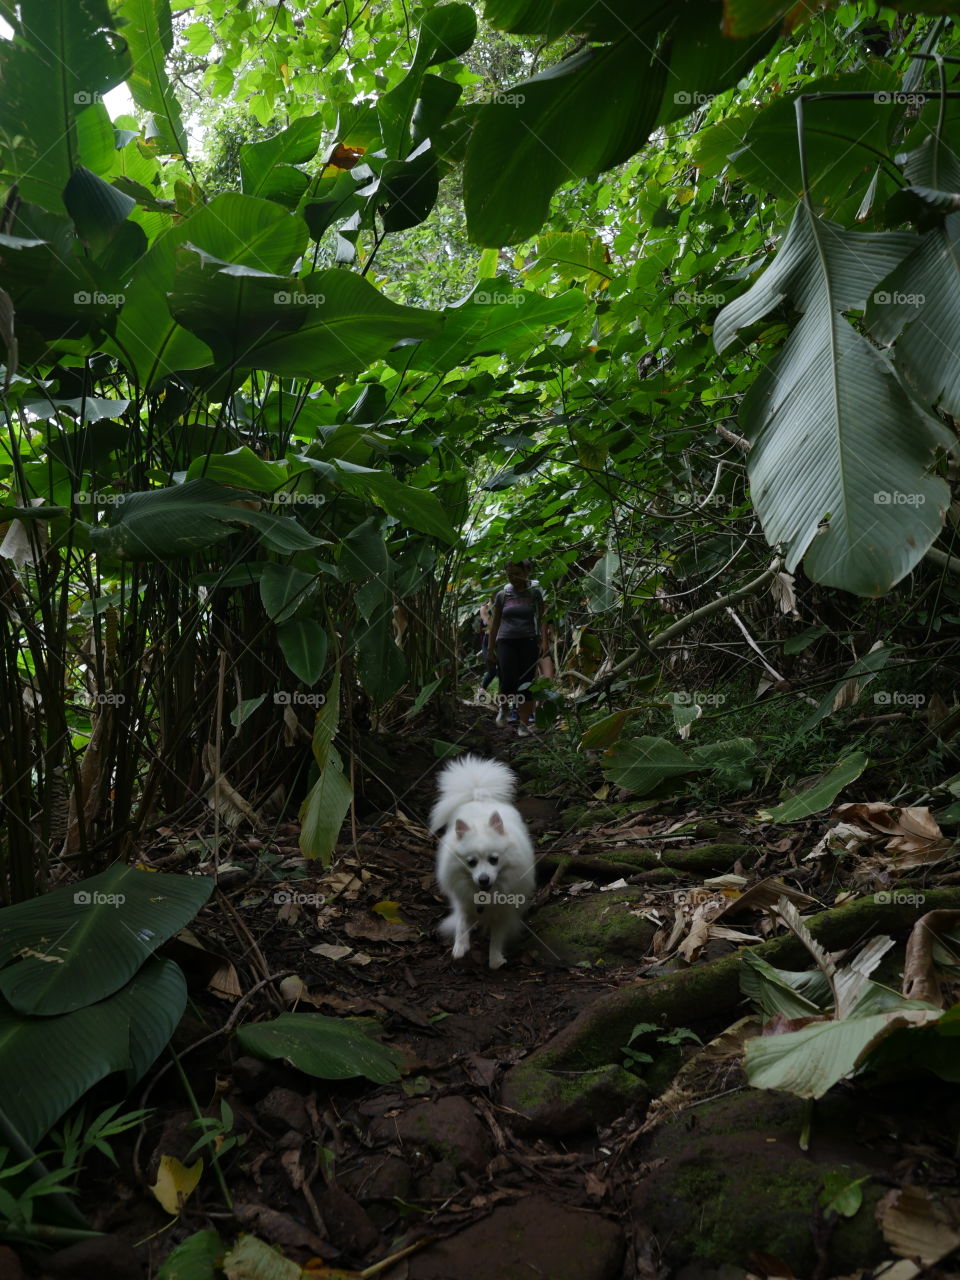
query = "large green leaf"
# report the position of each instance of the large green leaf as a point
(704, 61)
(782, 991)
(233, 228)
(732, 759)
(842, 138)
(48, 1064)
(284, 590)
(447, 31)
(823, 792)
(918, 307)
(812, 1060)
(303, 642)
(330, 1048)
(266, 168)
(605, 21)
(496, 318)
(98, 210)
(65, 56)
(78, 944)
(240, 467)
(323, 324)
(148, 30)
(326, 803)
(380, 663)
(185, 518)
(583, 115)
(640, 764)
(230, 306)
(415, 508)
(846, 489)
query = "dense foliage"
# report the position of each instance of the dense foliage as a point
(363, 295)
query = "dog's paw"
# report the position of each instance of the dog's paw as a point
(460, 949)
(497, 961)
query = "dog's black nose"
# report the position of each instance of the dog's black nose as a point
(483, 881)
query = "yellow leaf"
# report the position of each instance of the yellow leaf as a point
(389, 910)
(175, 1183)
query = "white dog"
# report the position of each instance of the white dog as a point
(485, 860)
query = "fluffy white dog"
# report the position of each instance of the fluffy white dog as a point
(485, 863)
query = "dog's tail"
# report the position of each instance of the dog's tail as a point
(470, 778)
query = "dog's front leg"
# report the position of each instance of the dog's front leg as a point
(461, 940)
(499, 932)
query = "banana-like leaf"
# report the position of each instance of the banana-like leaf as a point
(580, 116)
(64, 58)
(303, 643)
(326, 803)
(846, 488)
(189, 517)
(233, 228)
(147, 28)
(267, 168)
(284, 590)
(823, 792)
(79, 944)
(810, 1061)
(495, 318)
(918, 307)
(641, 764)
(413, 507)
(331, 1048)
(380, 663)
(47, 1064)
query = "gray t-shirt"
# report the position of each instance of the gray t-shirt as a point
(521, 610)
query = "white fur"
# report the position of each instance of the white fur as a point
(482, 828)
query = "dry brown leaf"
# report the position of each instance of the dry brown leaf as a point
(225, 983)
(330, 951)
(374, 929)
(766, 893)
(918, 1225)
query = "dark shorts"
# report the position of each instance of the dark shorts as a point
(517, 660)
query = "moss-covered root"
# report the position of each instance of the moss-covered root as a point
(596, 1036)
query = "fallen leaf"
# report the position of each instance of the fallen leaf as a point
(175, 1183)
(330, 951)
(918, 1225)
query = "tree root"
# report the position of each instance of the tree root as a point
(595, 1038)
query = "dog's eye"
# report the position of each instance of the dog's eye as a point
(471, 862)
(493, 859)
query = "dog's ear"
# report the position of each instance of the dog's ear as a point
(496, 822)
(462, 828)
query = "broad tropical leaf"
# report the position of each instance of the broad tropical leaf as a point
(330, 1048)
(918, 307)
(78, 944)
(323, 810)
(640, 764)
(189, 517)
(495, 318)
(147, 28)
(582, 115)
(810, 1061)
(47, 1064)
(847, 491)
(64, 58)
(823, 792)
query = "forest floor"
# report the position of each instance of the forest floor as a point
(345, 1174)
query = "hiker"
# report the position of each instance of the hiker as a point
(518, 638)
